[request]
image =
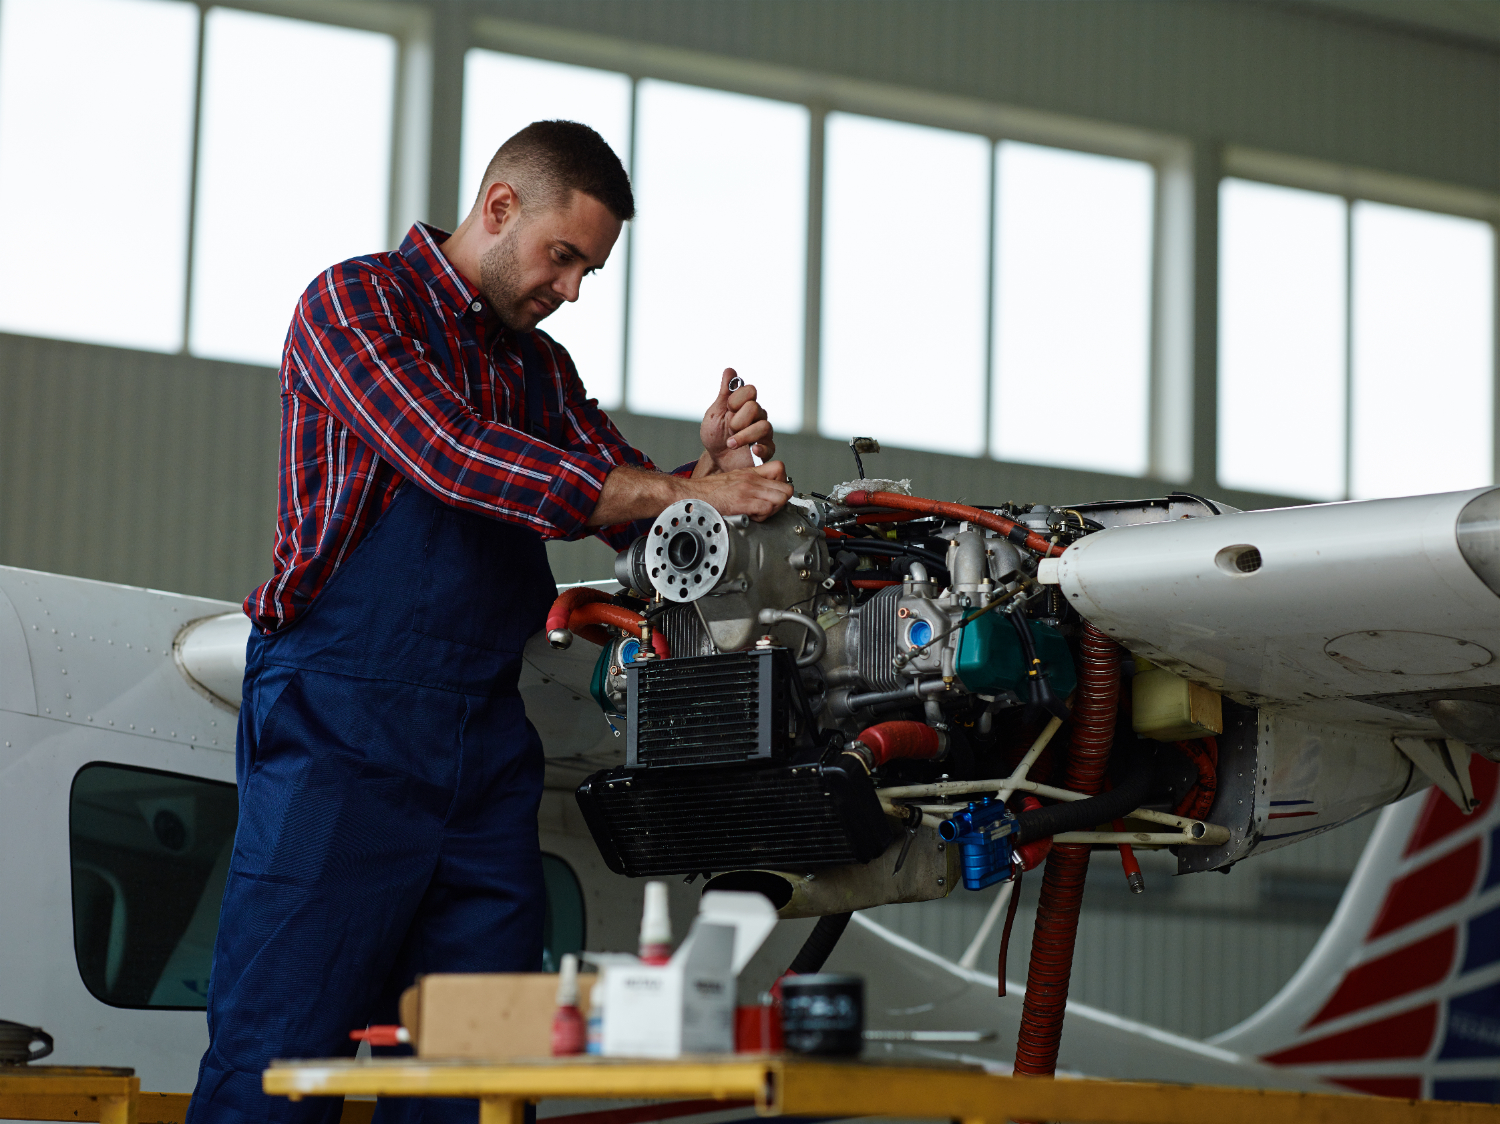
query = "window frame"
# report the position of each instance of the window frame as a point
(1170, 383)
(1353, 185)
(1182, 409)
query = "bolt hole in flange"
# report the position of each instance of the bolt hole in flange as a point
(1238, 560)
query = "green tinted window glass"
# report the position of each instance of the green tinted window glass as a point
(564, 928)
(150, 852)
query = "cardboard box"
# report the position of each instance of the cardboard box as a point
(684, 1006)
(486, 1016)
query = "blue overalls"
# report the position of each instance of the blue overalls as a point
(388, 784)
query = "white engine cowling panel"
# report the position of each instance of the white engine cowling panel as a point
(1310, 607)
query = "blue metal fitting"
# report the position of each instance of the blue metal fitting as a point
(983, 832)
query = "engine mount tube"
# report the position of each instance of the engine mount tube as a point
(1062, 883)
(1013, 531)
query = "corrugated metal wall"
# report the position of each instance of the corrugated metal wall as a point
(160, 470)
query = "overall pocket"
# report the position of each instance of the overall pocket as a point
(484, 584)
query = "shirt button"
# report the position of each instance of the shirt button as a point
(477, 307)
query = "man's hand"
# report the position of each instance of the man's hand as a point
(634, 493)
(734, 427)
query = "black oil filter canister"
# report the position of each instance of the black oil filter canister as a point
(823, 1013)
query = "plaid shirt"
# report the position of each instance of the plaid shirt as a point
(394, 369)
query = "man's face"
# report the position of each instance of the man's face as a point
(539, 259)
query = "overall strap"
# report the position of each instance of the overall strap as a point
(541, 423)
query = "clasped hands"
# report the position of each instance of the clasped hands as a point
(735, 430)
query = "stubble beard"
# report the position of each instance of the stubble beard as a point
(500, 282)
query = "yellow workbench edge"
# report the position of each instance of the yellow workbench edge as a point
(820, 1088)
(112, 1098)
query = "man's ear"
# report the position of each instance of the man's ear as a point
(501, 205)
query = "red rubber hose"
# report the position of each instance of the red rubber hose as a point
(1062, 883)
(570, 599)
(998, 523)
(586, 619)
(887, 741)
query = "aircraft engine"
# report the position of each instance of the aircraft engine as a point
(872, 674)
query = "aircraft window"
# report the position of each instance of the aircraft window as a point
(564, 929)
(150, 852)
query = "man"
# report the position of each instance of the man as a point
(388, 778)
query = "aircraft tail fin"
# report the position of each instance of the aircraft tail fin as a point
(1401, 995)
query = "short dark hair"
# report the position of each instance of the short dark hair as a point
(548, 159)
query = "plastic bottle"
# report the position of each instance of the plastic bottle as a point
(656, 926)
(568, 1032)
(595, 1034)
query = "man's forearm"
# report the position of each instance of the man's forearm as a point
(634, 493)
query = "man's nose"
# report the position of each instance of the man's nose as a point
(566, 286)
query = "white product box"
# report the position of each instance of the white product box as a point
(686, 1006)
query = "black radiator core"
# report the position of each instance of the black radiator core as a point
(711, 710)
(686, 821)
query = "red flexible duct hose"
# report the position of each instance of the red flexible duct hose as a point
(1062, 884)
(998, 523)
(585, 619)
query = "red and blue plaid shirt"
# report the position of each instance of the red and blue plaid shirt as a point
(395, 370)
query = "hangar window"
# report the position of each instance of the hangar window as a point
(96, 118)
(1072, 305)
(1348, 331)
(150, 853)
(905, 263)
(1282, 260)
(504, 93)
(287, 182)
(719, 259)
(1422, 369)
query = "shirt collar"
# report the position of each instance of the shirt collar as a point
(420, 249)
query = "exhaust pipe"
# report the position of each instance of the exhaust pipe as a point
(930, 870)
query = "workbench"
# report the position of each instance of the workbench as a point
(65, 1092)
(790, 1086)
